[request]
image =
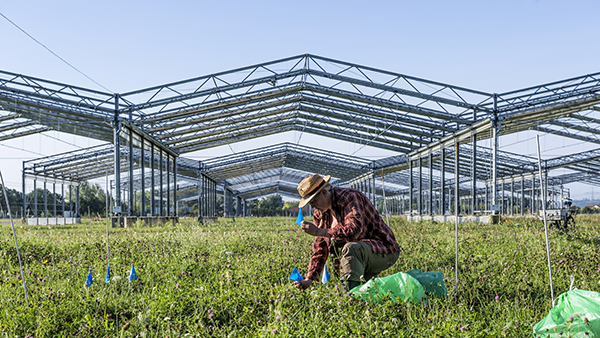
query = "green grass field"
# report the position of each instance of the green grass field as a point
(230, 279)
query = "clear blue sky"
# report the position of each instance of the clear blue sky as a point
(492, 46)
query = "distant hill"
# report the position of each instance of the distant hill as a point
(586, 202)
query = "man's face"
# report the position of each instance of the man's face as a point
(319, 201)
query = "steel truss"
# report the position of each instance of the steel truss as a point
(429, 124)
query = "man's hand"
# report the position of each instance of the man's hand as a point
(311, 229)
(303, 284)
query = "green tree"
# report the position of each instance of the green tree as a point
(92, 199)
(270, 206)
(51, 199)
(15, 201)
(288, 205)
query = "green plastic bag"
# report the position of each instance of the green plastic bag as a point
(576, 314)
(399, 286)
(433, 282)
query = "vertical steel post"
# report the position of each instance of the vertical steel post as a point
(533, 201)
(474, 175)
(420, 187)
(206, 209)
(152, 183)
(161, 192)
(24, 194)
(175, 187)
(117, 154)
(456, 180)
(487, 195)
(77, 205)
(54, 197)
(45, 201)
(35, 204)
(214, 199)
(71, 199)
(143, 169)
(456, 208)
(225, 201)
(168, 184)
(545, 188)
(501, 197)
(443, 182)
(373, 188)
(410, 187)
(522, 195)
(430, 197)
(62, 192)
(494, 182)
(107, 200)
(512, 196)
(494, 140)
(368, 187)
(203, 194)
(131, 192)
(199, 173)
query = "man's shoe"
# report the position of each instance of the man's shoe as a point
(352, 284)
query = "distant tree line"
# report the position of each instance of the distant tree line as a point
(92, 202)
(270, 206)
(589, 210)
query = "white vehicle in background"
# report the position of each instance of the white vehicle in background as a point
(564, 218)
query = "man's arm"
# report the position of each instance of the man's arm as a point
(351, 227)
(312, 229)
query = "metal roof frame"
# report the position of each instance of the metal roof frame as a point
(311, 94)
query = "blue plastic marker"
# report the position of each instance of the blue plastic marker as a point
(107, 274)
(89, 279)
(325, 276)
(296, 275)
(300, 217)
(132, 274)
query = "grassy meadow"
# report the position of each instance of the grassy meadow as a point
(230, 279)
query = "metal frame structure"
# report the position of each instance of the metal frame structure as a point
(436, 129)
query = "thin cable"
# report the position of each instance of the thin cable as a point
(519, 141)
(15, 235)
(301, 132)
(65, 142)
(383, 131)
(29, 151)
(48, 49)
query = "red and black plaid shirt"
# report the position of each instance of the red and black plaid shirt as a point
(353, 218)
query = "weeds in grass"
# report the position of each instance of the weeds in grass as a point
(229, 279)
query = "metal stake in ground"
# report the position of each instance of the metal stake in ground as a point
(544, 217)
(15, 235)
(107, 208)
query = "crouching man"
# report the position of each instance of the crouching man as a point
(346, 225)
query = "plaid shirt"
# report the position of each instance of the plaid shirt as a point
(353, 218)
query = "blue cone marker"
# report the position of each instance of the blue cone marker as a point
(300, 217)
(325, 276)
(132, 274)
(296, 275)
(89, 279)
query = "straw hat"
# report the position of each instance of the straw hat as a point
(310, 187)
